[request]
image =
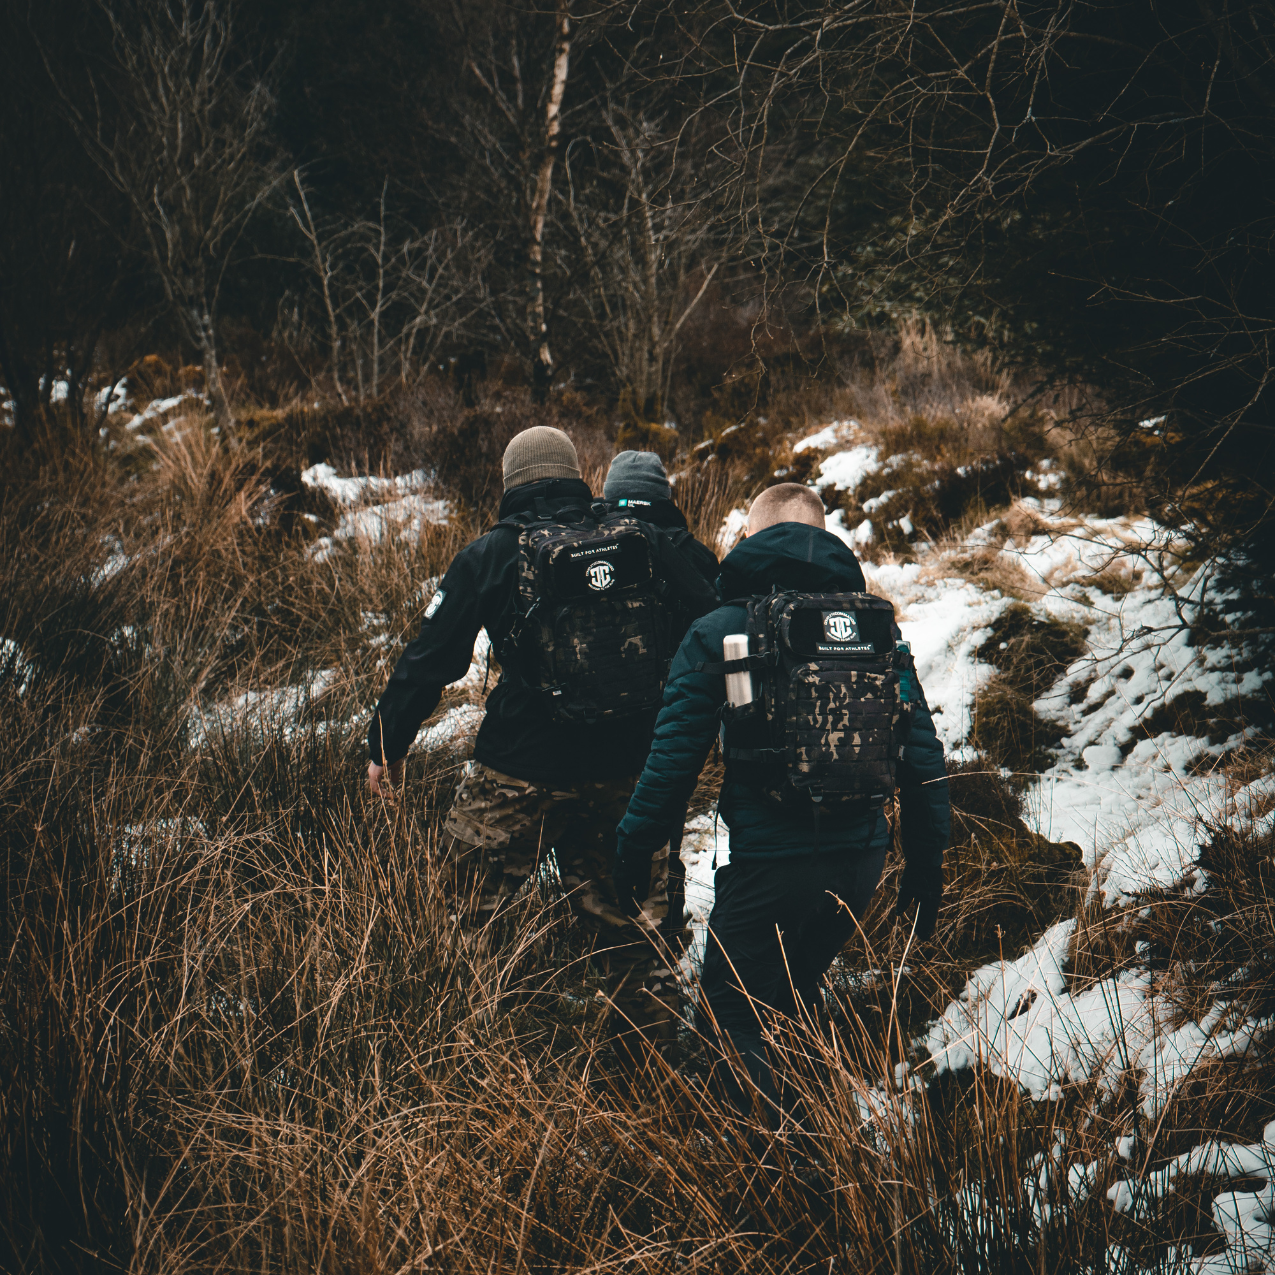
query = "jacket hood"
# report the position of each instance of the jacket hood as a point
(557, 493)
(790, 556)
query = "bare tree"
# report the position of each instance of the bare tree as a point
(519, 143)
(645, 224)
(385, 296)
(187, 143)
(543, 366)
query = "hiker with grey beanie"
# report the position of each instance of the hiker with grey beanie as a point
(638, 483)
(558, 751)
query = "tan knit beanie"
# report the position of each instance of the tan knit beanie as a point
(539, 452)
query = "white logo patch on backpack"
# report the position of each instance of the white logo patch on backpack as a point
(840, 626)
(600, 576)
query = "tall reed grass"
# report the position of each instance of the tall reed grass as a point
(238, 1029)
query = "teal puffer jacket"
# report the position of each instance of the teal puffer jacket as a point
(795, 557)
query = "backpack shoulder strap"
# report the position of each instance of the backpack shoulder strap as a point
(544, 515)
(745, 664)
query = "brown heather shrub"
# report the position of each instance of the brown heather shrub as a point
(1030, 654)
(984, 565)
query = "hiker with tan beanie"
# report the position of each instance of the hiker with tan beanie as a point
(579, 604)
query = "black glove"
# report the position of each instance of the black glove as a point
(926, 891)
(632, 883)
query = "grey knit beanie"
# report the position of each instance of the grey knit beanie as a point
(539, 452)
(637, 476)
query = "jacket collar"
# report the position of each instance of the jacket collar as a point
(557, 493)
(659, 512)
(791, 556)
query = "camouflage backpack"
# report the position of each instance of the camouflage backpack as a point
(832, 698)
(592, 629)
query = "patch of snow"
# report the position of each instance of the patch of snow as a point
(405, 514)
(705, 844)
(733, 526)
(1133, 799)
(112, 398)
(15, 665)
(1244, 1218)
(480, 665)
(1247, 1221)
(1017, 1018)
(261, 711)
(846, 470)
(157, 407)
(359, 491)
(944, 622)
(454, 725)
(879, 502)
(829, 436)
(405, 518)
(114, 564)
(1213, 1158)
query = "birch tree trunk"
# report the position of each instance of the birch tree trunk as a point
(205, 329)
(542, 358)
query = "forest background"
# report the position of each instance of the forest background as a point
(667, 212)
(265, 265)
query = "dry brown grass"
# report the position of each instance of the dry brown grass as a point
(238, 1031)
(983, 565)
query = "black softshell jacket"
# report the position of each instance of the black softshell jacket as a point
(665, 515)
(519, 735)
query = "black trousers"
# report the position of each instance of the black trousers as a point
(774, 930)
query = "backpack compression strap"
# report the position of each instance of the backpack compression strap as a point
(745, 664)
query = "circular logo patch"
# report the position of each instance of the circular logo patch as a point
(599, 576)
(840, 626)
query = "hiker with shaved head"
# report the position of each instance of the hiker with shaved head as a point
(822, 719)
(582, 606)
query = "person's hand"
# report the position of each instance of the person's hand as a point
(382, 781)
(927, 893)
(632, 884)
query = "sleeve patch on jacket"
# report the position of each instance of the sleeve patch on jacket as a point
(434, 603)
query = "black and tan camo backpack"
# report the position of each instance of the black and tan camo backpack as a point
(833, 698)
(592, 628)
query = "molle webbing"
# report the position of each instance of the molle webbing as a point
(827, 723)
(592, 631)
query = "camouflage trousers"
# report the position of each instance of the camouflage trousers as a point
(498, 832)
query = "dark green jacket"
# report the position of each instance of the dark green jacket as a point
(795, 557)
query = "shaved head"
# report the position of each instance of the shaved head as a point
(787, 502)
